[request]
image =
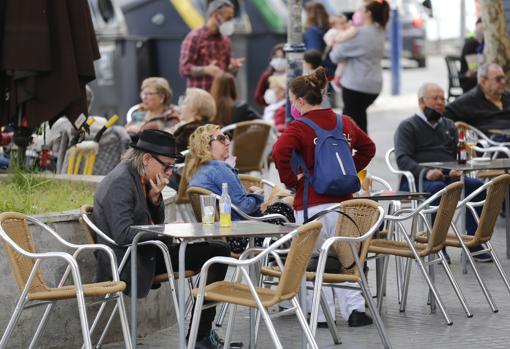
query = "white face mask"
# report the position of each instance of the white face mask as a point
(227, 28)
(270, 97)
(279, 64)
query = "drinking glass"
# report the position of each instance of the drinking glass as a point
(471, 141)
(208, 207)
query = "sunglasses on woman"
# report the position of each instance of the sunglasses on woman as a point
(220, 138)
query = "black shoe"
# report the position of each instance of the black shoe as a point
(217, 338)
(483, 258)
(447, 257)
(323, 324)
(208, 342)
(358, 319)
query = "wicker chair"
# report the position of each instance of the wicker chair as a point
(243, 292)
(351, 246)
(496, 191)
(417, 251)
(249, 144)
(25, 262)
(253, 181)
(91, 229)
(194, 196)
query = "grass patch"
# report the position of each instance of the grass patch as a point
(31, 194)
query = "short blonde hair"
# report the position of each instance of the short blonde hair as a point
(135, 157)
(199, 150)
(161, 86)
(202, 102)
(278, 81)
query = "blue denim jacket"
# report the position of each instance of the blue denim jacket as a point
(214, 173)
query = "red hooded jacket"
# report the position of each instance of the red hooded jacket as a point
(300, 137)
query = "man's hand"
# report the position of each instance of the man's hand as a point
(455, 174)
(212, 69)
(157, 187)
(235, 64)
(434, 175)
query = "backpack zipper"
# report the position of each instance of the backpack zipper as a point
(340, 163)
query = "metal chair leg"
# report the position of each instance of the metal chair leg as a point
(405, 286)
(107, 327)
(432, 289)
(329, 318)
(499, 266)
(375, 313)
(124, 321)
(41, 326)
(14, 319)
(304, 325)
(455, 285)
(230, 325)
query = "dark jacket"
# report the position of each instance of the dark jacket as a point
(476, 110)
(119, 203)
(416, 141)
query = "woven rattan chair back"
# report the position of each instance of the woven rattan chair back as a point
(87, 209)
(249, 142)
(364, 213)
(444, 215)
(16, 227)
(250, 181)
(297, 260)
(194, 199)
(493, 202)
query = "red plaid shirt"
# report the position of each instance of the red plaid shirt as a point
(200, 48)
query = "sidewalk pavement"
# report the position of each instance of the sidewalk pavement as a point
(417, 327)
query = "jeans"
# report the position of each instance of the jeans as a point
(470, 185)
(196, 255)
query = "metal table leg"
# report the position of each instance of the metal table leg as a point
(182, 254)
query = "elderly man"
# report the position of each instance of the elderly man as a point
(131, 195)
(487, 106)
(206, 51)
(427, 136)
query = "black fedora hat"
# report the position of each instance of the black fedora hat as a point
(157, 142)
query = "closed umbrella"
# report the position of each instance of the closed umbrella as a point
(47, 57)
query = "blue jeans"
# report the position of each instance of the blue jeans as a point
(470, 185)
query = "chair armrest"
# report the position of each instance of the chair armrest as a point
(98, 231)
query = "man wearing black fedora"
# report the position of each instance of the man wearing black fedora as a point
(131, 195)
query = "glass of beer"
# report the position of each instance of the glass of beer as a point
(471, 141)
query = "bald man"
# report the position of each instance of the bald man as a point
(427, 136)
(487, 106)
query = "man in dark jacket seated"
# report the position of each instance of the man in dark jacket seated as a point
(487, 106)
(131, 195)
(427, 136)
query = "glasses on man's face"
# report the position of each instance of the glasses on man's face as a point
(166, 167)
(220, 138)
(436, 98)
(499, 78)
(148, 94)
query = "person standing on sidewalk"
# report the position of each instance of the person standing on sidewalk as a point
(206, 52)
(362, 78)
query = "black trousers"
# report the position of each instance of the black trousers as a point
(196, 255)
(356, 104)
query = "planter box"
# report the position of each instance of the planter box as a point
(63, 329)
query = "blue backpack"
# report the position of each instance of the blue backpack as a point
(334, 170)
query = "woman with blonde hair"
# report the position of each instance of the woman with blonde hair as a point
(198, 108)
(156, 110)
(228, 109)
(208, 166)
